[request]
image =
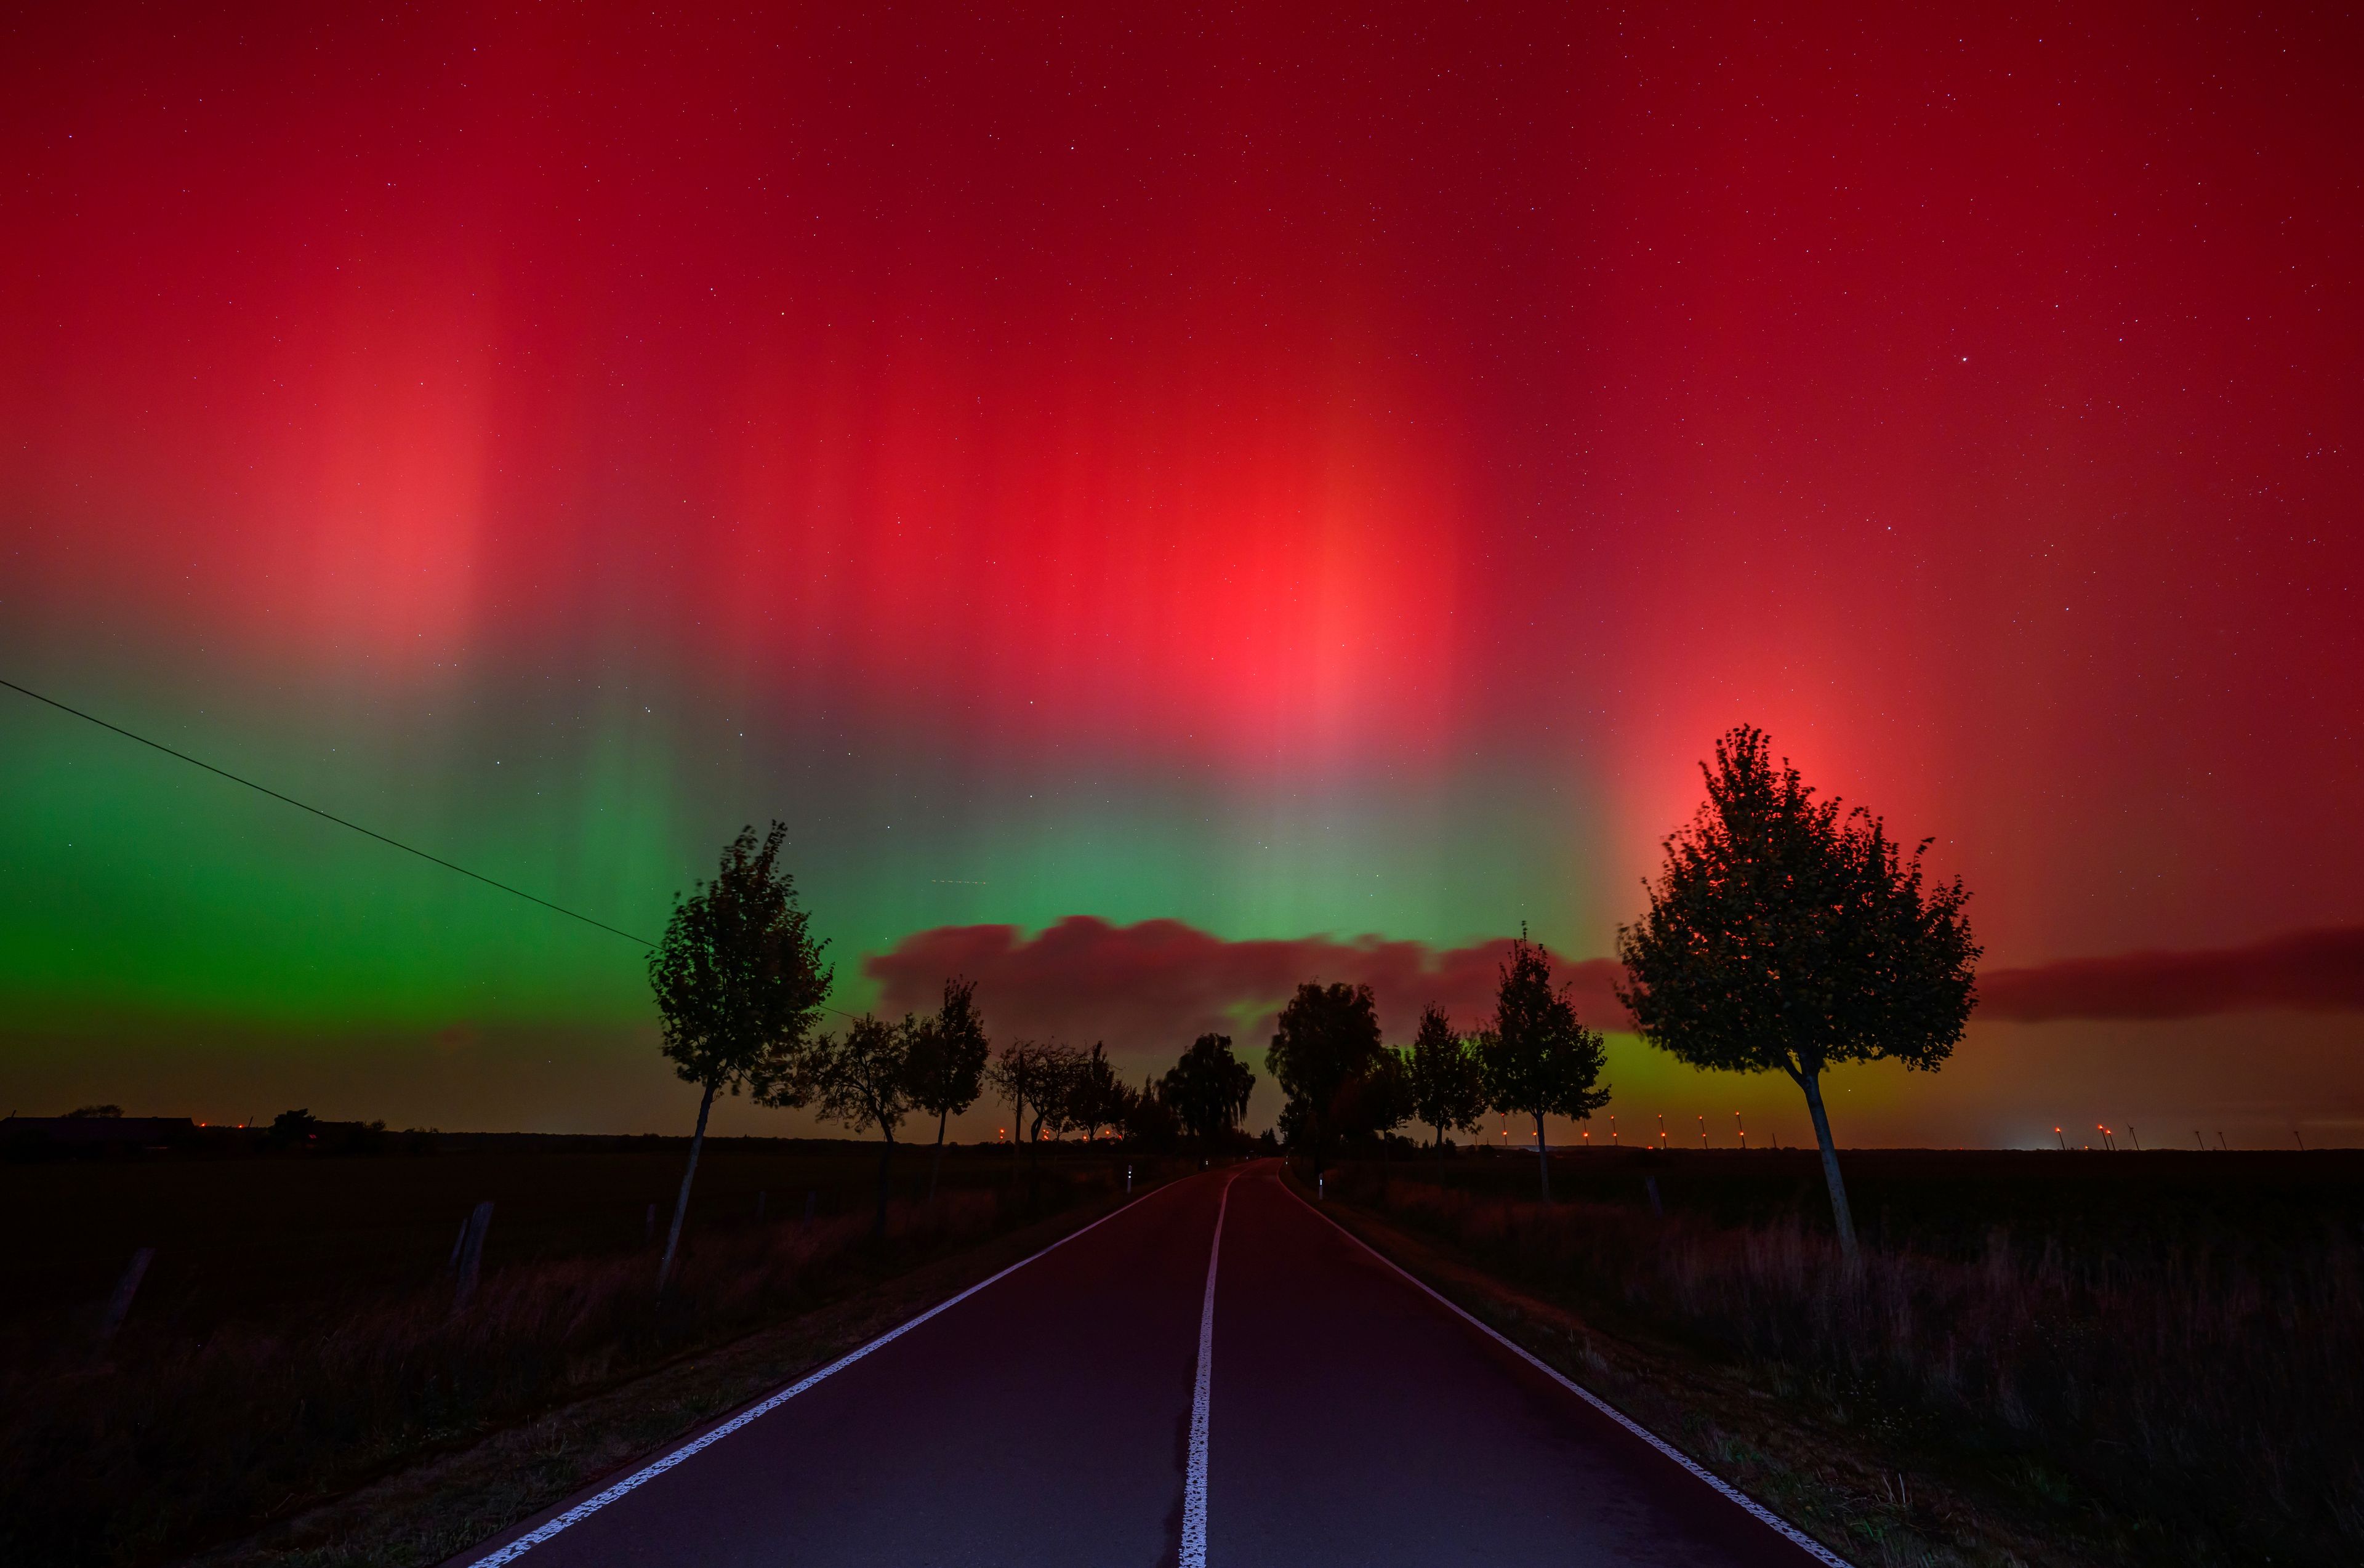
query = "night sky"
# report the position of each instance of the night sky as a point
(1301, 476)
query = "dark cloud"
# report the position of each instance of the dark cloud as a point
(2318, 971)
(1161, 983)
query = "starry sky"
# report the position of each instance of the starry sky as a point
(1286, 476)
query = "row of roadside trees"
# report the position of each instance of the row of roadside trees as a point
(1533, 1059)
(741, 983)
(1783, 933)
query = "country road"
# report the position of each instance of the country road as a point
(1143, 1394)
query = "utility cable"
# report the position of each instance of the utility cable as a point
(341, 822)
(326, 815)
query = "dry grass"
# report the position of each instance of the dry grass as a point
(2205, 1394)
(187, 1436)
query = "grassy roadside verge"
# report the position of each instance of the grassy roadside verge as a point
(1859, 1474)
(425, 1514)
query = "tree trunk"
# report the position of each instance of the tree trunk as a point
(1034, 1167)
(681, 1204)
(885, 1164)
(938, 1163)
(1840, 1215)
(1543, 1159)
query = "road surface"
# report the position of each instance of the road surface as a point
(1063, 1413)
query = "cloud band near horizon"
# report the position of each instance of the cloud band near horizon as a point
(1160, 981)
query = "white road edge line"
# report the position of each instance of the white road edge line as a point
(650, 1471)
(1193, 1488)
(1804, 1543)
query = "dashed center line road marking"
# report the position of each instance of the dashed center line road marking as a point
(1193, 1488)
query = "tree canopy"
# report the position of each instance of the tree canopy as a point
(738, 984)
(1381, 1100)
(737, 978)
(1097, 1097)
(1207, 1088)
(1447, 1082)
(1328, 1037)
(1013, 1075)
(1536, 1059)
(947, 1054)
(944, 1060)
(860, 1080)
(1785, 932)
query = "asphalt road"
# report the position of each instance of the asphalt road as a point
(1047, 1419)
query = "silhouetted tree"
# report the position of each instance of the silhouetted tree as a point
(289, 1129)
(1328, 1038)
(1097, 1097)
(1538, 1060)
(1782, 933)
(1012, 1075)
(1149, 1120)
(739, 983)
(1382, 1101)
(947, 1060)
(1448, 1084)
(1389, 1094)
(1207, 1088)
(1057, 1070)
(861, 1081)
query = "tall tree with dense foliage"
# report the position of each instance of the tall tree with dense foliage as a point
(1448, 1084)
(1097, 1097)
(861, 1080)
(1537, 1059)
(739, 983)
(1386, 1093)
(946, 1060)
(1149, 1121)
(1785, 933)
(1328, 1038)
(1207, 1088)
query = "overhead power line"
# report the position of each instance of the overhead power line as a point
(326, 816)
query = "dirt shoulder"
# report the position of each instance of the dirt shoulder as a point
(431, 1512)
(1845, 1470)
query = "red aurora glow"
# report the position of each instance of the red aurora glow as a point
(1397, 447)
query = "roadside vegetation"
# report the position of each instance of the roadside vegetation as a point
(2172, 1375)
(2159, 1360)
(233, 1397)
(259, 1373)
(2134, 1382)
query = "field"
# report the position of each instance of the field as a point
(295, 1335)
(2108, 1357)
(2092, 1357)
